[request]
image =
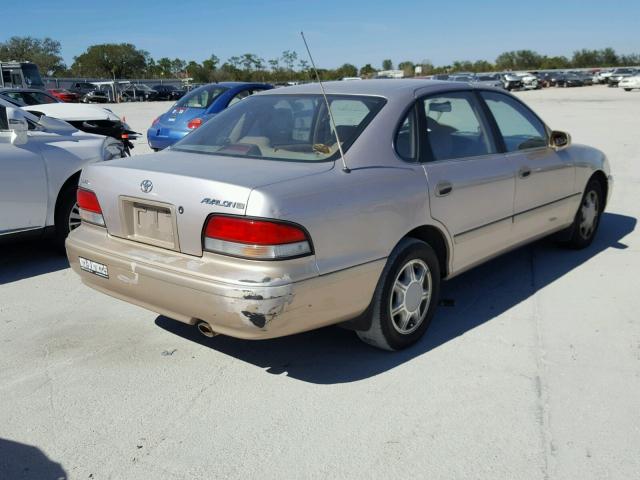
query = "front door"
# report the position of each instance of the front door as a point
(23, 184)
(471, 184)
(545, 198)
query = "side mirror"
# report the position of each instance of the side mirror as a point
(559, 139)
(17, 125)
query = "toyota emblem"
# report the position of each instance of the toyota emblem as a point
(146, 186)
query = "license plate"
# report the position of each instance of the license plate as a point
(94, 267)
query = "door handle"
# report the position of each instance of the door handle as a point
(524, 172)
(443, 188)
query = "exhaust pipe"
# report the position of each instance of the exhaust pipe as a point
(205, 329)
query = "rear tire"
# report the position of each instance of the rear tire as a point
(67, 216)
(405, 298)
(587, 219)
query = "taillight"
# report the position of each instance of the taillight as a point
(89, 207)
(195, 123)
(155, 122)
(255, 239)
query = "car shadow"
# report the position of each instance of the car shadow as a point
(27, 259)
(334, 355)
(20, 461)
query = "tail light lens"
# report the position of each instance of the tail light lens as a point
(89, 207)
(155, 121)
(195, 123)
(255, 239)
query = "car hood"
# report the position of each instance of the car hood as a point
(73, 111)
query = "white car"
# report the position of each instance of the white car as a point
(529, 81)
(40, 164)
(629, 83)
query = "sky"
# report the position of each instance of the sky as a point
(357, 32)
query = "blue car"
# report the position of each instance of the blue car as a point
(195, 108)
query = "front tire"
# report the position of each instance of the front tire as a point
(587, 219)
(405, 298)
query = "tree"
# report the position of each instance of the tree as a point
(44, 52)
(289, 58)
(518, 60)
(387, 64)
(367, 71)
(586, 58)
(407, 67)
(346, 70)
(109, 60)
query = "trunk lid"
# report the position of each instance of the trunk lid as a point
(164, 199)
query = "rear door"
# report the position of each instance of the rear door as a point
(471, 184)
(545, 194)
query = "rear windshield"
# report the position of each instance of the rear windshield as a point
(201, 97)
(284, 127)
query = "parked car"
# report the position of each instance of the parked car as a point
(529, 81)
(89, 92)
(569, 80)
(88, 118)
(64, 95)
(168, 92)
(511, 81)
(602, 76)
(255, 226)
(620, 73)
(461, 78)
(629, 83)
(488, 80)
(195, 108)
(40, 164)
(138, 92)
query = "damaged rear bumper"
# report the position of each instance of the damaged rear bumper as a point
(263, 301)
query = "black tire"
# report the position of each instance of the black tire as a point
(66, 206)
(627, 89)
(582, 237)
(383, 332)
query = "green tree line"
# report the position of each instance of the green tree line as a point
(124, 60)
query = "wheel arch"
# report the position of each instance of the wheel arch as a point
(72, 180)
(436, 238)
(601, 177)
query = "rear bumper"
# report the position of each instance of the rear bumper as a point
(163, 141)
(175, 285)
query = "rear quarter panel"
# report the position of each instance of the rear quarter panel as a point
(353, 218)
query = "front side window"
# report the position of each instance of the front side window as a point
(519, 127)
(284, 127)
(455, 127)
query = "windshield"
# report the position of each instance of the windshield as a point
(201, 97)
(284, 127)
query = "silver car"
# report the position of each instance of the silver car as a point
(256, 226)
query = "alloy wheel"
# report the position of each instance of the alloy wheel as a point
(74, 217)
(410, 296)
(589, 214)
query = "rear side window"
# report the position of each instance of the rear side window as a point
(201, 97)
(405, 141)
(455, 127)
(519, 127)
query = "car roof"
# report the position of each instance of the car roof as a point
(387, 88)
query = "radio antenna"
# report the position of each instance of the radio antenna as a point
(326, 101)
